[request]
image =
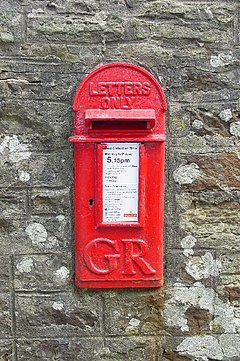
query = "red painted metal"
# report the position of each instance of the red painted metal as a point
(118, 103)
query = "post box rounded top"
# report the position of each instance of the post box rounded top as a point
(115, 80)
(119, 98)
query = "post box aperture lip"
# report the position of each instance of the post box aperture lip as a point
(120, 120)
(119, 137)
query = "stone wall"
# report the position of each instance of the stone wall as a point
(47, 47)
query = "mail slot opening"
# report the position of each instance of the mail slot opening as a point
(120, 120)
(120, 125)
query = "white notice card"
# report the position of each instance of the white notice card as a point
(120, 182)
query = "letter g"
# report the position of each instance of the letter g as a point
(103, 263)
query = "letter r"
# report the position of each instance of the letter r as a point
(131, 257)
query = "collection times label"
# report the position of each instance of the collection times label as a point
(120, 182)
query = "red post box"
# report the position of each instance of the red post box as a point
(119, 178)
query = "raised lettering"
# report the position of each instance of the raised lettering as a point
(137, 88)
(102, 88)
(111, 88)
(135, 258)
(115, 102)
(146, 88)
(120, 86)
(96, 264)
(129, 102)
(105, 103)
(128, 89)
(115, 89)
(92, 91)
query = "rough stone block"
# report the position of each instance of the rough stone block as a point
(129, 348)
(12, 202)
(218, 12)
(230, 262)
(50, 82)
(91, 7)
(37, 350)
(204, 145)
(188, 310)
(35, 235)
(170, 349)
(7, 6)
(229, 289)
(48, 234)
(41, 125)
(150, 54)
(202, 33)
(225, 347)
(58, 315)
(201, 347)
(50, 201)
(230, 345)
(8, 229)
(5, 263)
(191, 265)
(186, 89)
(229, 280)
(5, 319)
(204, 78)
(73, 57)
(42, 273)
(73, 7)
(51, 52)
(22, 167)
(12, 27)
(213, 24)
(6, 350)
(218, 172)
(212, 217)
(51, 170)
(142, 316)
(78, 29)
(203, 123)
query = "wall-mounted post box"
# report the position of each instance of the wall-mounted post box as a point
(119, 178)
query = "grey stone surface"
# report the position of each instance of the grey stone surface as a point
(50, 201)
(12, 27)
(213, 221)
(60, 349)
(92, 349)
(49, 234)
(46, 49)
(43, 169)
(42, 273)
(13, 202)
(230, 262)
(142, 316)
(5, 319)
(42, 124)
(5, 268)
(6, 350)
(58, 315)
(130, 348)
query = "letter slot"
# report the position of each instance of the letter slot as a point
(120, 120)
